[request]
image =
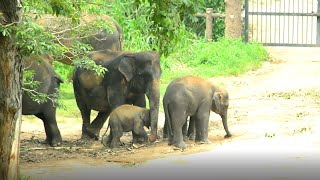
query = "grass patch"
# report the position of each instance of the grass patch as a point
(209, 59)
(224, 57)
(23, 177)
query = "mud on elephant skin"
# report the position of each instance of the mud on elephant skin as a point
(127, 118)
(49, 83)
(129, 78)
(193, 97)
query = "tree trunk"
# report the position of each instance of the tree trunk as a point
(10, 109)
(10, 94)
(233, 19)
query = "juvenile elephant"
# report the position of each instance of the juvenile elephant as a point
(127, 118)
(129, 78)
(49, 84)
(195, 97)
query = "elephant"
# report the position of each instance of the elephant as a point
(99, 40)
(49, 84)
(127, 118)
(194, 97)
(129, 77)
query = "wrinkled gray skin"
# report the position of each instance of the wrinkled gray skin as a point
(127, 118)
(193, 97)
(129, 78)
(102, 40)
(49, 83)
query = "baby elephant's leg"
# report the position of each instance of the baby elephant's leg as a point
(117, 133)
(135, 138)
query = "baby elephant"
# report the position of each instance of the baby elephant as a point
(127, 118)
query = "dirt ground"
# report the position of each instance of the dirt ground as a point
(277, 102)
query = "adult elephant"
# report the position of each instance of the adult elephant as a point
(49, 82)
(129, 78)
(195, 97)
(99, 39)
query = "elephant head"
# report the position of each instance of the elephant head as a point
(142, 71)
(220, 106)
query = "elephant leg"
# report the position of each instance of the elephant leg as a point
(106, 141)
(53, 136)
(135, 138)
(177, 121)
(165, 130)
(170, 135)
(184, 131)
(85, 114)
(94, 128)
(191, 128)
(202, 123)
(116, 135)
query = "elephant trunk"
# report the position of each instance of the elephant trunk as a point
(224, 117)
(153, 93)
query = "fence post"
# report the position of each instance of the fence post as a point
(209, 12)
(246, 21)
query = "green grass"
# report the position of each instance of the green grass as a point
(208, 59)
(23, 177)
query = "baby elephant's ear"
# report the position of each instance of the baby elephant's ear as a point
(126, 67)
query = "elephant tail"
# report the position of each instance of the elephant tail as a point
(168, 118)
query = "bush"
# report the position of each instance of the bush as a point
(207, 59)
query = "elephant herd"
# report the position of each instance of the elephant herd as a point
(120, 94)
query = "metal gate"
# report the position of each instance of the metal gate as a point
(283, 22)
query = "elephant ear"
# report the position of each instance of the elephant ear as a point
(217, 101)
(126, 66)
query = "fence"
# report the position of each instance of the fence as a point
(283, 22)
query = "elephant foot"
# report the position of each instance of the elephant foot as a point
(152, 138)
(54, 142)
(192, 137)
(165, 136)
(104, 141)
(170, 141)
(205, 141)
(114, 145)
(227, 135)
(93, 133)
(185, 138)
(85, 136)
(180, 145)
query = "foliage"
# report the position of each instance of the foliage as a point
(34, 39)
(136, 24)
(30, 88)
(150, 24)
(87, 63)
(159, 21)
(197, 25)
